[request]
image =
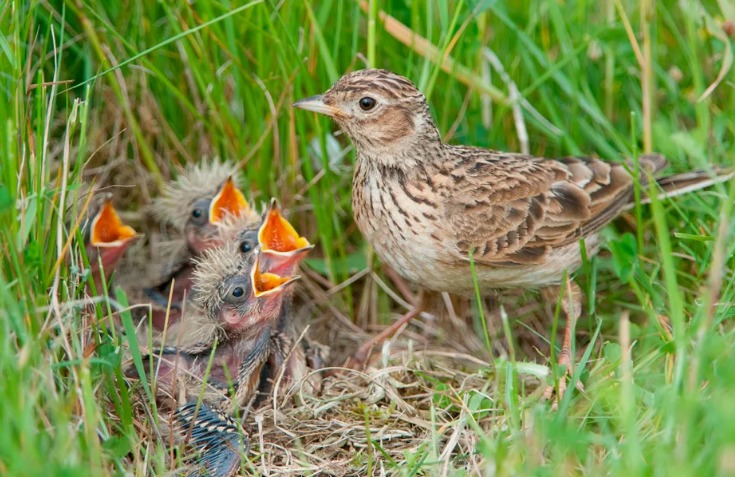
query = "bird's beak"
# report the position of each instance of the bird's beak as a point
(317, 104)
(108, 230)
(281, 246)
(284, 264)
(278, 236)
(266, 282)
(229, 201)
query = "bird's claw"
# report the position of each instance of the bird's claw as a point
(555, 392)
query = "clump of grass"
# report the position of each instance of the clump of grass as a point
(92, 90)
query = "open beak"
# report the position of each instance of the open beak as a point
(266, 282)
(108, 230)
(229, 201)
(283, 248)
(284, 264)
(277, 235)
(317, 104)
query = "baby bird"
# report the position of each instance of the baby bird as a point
(196, 208)
(284, 250)
(201, 196)
(218, 350)
(430, 208)
(281, 250)
(234, 305)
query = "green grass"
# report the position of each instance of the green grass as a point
(143, 86)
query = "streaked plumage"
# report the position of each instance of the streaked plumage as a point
(425, 206)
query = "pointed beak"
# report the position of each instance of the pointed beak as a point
(229, 201)
(266, 282)
(108, 230)
(277, 235)
(317, 104)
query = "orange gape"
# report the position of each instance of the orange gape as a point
(266, 282)
(278, 235)
(108, 229)
(230, 200)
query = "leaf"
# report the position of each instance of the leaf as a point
(352, 263)
(625, 252)
(440, 399)
(6, 202)
(479, 404)
(612, 352)
(117, 447)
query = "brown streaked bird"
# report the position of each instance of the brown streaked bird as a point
(106, 238)
(226, 330)
(425, 206)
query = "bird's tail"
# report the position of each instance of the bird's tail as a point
(678, 184)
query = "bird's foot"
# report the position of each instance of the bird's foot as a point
(555, 392)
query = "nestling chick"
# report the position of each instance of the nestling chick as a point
(284, 249)
(234, 303)
(198, 199)
(227, 329)
(197, 209)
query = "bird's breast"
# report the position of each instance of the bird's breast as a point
(397, 222)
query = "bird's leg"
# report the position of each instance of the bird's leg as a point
(400, 284)
(361, 356)
(572, 305)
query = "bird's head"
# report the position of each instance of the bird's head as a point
(241, 229)
(239, 293)
(205, 213)
(382, 112)
(203, 196)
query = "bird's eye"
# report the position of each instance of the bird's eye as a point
(367, 103)
(246, 246)
(199, 214)
(238, 292)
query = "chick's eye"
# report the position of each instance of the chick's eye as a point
(367, 103)
(197, 213)
(238, 292)
(246, 246)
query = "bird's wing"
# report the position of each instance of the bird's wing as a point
(513, 209)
